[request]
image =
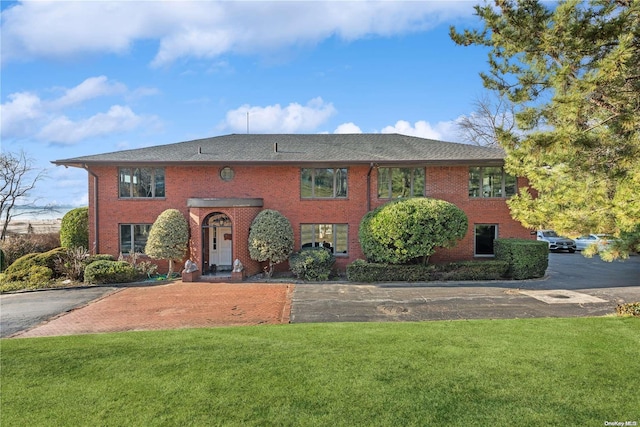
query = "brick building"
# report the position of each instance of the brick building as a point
(324, 184)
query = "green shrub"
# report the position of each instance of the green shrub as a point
(168, 238)
(270, 238)
(39, 274)
(362, 271)
(99, 272)
(21, 268)
(2, 261)
(629, 309)
(74, 229)
(476, 270)
(36, 277)
(406, 230)
(100, 257)
(527, 259)
(312, 264)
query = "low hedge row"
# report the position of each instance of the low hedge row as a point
(362, 271)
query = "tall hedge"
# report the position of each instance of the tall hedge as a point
(168, 238)
(74, 229)
(406, 230)
(528, 259)
(270, 238)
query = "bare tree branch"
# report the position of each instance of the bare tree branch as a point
(490, 115)
(17, 178)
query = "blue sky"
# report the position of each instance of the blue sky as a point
(91, 77)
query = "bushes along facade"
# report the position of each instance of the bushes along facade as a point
(362, 271)
(99, 272)
(312, 264)
(407, 230)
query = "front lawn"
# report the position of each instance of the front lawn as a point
(581, 371)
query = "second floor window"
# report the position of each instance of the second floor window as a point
(323, 183)
(394, 183)
(141, 182)
(491, 182)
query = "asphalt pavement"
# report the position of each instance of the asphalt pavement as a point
(574, 286)
(21, 311)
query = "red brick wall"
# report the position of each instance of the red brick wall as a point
(279, 187)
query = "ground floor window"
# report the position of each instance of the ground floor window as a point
(484, 236)
(330, 236)
(133, 237)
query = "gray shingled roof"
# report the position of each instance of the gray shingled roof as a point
(297, 149)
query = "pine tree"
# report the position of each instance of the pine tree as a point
(572, 69)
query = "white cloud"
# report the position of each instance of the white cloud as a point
(91, 88)
(445, 131)
(276, 119)
(16, 114)
(348, 128)
(26, 115)
(202, 29)
(65, 131)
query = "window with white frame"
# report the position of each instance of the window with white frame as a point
(141, 182)
(133, 237)
(331, 236)
(323, 183)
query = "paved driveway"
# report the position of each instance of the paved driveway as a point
(574, 286)
(22, 311)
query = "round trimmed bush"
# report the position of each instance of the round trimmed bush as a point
(74, 229)
(270, 238)
(409, 230)
(110, 272)
(168, 238)
(312, 264)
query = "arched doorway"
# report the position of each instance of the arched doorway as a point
(217, 243)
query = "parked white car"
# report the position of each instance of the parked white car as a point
(602, 240)
(556, 243)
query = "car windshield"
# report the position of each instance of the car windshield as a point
(549, 234)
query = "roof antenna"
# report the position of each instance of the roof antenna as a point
(247, 122)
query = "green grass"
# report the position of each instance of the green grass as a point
(534, 372)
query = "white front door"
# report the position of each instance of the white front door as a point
(220, 248)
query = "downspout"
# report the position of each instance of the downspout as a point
(369, 187)
(96, 244)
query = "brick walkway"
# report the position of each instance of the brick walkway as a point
(175, 305)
